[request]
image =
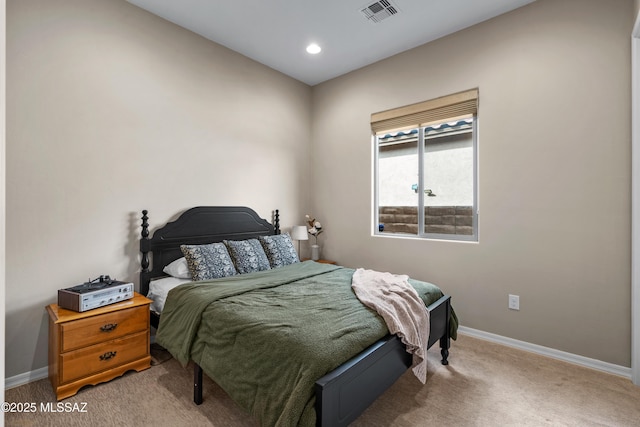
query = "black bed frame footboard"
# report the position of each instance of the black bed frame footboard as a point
(344, 393)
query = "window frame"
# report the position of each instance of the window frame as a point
(422, 234)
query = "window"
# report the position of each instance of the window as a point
(426, 169)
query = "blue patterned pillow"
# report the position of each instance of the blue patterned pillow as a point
(248, 255)
(207, 262)
(279, 249)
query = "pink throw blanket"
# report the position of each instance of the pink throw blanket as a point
(398, 303)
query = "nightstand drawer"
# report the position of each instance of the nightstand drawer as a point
(96, 329)
(100, 357)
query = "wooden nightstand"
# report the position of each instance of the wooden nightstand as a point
(97, 345)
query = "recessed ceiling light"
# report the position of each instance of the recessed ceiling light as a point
(313, 49)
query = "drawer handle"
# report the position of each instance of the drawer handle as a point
(108, 355)
(108, 327)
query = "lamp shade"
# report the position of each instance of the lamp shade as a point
(299, 232)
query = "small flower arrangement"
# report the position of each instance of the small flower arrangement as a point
(315, 228)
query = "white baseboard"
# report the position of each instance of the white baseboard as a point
(587, 362)
(599, 365)
(26, 378)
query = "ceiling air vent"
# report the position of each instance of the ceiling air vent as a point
(376, 12)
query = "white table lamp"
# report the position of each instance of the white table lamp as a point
(299, 232)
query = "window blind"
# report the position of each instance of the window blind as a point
(451, 107)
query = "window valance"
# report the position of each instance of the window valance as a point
(451, 107)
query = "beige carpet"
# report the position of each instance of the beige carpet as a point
(485, 385)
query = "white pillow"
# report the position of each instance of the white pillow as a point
(159, 288)
(178, 268)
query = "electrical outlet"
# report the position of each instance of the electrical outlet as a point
(514, 302)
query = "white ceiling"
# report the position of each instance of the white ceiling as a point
(276, 32)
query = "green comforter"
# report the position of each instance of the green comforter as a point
(266, 337)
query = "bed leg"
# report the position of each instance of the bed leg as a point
(445, 355)
(445, 340)
(445, 343)
(197, 384)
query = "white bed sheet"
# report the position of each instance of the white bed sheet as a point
(159, 288)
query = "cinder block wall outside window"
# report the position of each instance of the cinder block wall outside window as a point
(437, 219)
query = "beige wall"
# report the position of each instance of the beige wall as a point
(636, 8)
(111, 110)
(554, 179)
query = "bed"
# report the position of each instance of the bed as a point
(339, 392)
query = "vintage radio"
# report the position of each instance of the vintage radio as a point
(93, 294)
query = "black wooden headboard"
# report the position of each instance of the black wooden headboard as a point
(197, 226)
